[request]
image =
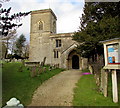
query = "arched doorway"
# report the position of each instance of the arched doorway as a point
(75, 62)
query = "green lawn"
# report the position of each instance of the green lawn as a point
(86, 93)
(20, 84)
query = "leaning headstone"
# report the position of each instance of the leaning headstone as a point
(91, 69)
(33, 72)
(39, 71)
(44, 69)
(44, 61)
(13, 102)
(41, 64)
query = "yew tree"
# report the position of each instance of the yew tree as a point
(20, 44)
(100, 21)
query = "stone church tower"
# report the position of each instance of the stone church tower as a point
(43, 24)
(56, 48)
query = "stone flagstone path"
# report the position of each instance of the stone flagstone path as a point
(58, 90)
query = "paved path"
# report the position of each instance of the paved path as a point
(57, 91)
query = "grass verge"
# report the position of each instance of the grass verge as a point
(86, 93)
(19, 84)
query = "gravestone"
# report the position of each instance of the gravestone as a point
(44, 69)
(33, 72)
(91, 69)
(40, 70)
(43, 62)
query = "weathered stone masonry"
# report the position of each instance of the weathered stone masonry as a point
(57, 48)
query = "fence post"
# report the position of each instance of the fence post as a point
(114, 86)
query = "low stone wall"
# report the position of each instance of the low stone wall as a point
(36, 69)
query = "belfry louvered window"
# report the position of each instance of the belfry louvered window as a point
(40, 25)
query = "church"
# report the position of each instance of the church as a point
(55, 48)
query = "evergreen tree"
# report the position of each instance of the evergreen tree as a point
(20, 44)
(9, 41)
(100, 21)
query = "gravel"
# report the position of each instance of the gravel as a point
(58, 90)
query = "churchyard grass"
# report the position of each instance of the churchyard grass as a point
(85, 70)
(19, 84)
(87, 93)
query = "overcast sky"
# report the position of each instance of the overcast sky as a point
(68, 13)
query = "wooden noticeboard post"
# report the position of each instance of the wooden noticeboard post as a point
(112, 62)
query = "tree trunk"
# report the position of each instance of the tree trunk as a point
(6, 52)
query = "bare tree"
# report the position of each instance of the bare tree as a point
(9, 41)
(2, 50)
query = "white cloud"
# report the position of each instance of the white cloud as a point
(67, 12)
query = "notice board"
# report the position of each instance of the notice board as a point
(113, 53)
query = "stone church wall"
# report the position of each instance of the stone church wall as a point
(43, 41)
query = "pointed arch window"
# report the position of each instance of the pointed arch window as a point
(40, 25)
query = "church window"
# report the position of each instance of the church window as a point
(58, 43)
(40, 25)
(56, 54)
